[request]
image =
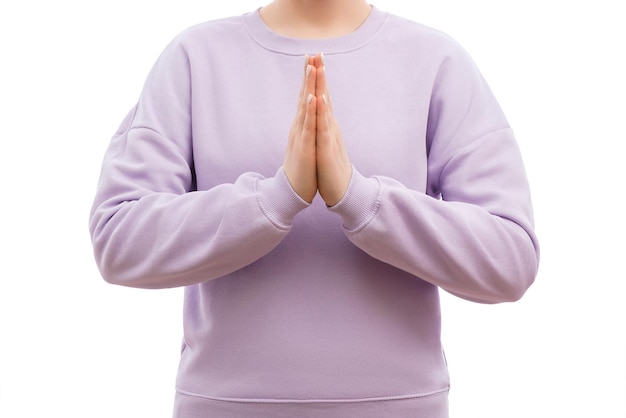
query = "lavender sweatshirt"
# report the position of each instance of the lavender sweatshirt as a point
(296, 309)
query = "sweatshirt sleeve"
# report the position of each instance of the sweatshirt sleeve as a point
(472, 232)
(150, 228)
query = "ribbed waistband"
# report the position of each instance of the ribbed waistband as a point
(431, 405)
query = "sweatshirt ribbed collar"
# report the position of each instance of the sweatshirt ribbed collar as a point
(275, 42)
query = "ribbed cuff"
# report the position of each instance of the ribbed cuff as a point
(360, 203)
(278, 201)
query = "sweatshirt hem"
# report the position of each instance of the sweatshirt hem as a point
(314, 401)
(425, 405)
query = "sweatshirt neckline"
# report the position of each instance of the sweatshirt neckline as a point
(276, 42)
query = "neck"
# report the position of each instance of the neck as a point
(315, 19)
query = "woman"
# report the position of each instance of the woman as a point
(298, 304)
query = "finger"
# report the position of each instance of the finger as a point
(319, 60)
(300, 159)
(296, 126)
(325, 116)
(308, 87)
(319, 64)
(323, 123)
(308, 61)
(321, 86)
(301, 94)
(309, 126)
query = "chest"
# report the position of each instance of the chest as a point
(245, 127)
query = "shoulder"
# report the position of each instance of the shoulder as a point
(217, 27)
(220, 33)
(421, 39)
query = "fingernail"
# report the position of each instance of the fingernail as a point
(306, 60)
(309, 98)
(308, 70)
(322, 58)
(325, 99)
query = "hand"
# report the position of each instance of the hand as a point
(316, 158)
(334, 169)
(300, 158)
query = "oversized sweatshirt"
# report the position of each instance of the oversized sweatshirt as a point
(298, 309)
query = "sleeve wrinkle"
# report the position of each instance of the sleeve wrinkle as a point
(461, 150)
(166, 141)
(139, 127)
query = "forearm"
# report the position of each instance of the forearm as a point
(461, 247)
(165, 239)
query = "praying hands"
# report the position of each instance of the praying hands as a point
(316, 158)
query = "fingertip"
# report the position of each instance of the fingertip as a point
(319, 60)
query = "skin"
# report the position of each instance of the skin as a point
(316, 159)
(315, 19)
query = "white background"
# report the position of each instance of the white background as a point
(74, 346)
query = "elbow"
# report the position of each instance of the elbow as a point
(509, 290)
(512, 283)
(109, 270)
(109, 273)
(508, 283)
(109, 257)
(120, 265)
(514, 275)
(134, 264)
(120, 253)
(525, 271)
(116, 272)
(516, 289)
